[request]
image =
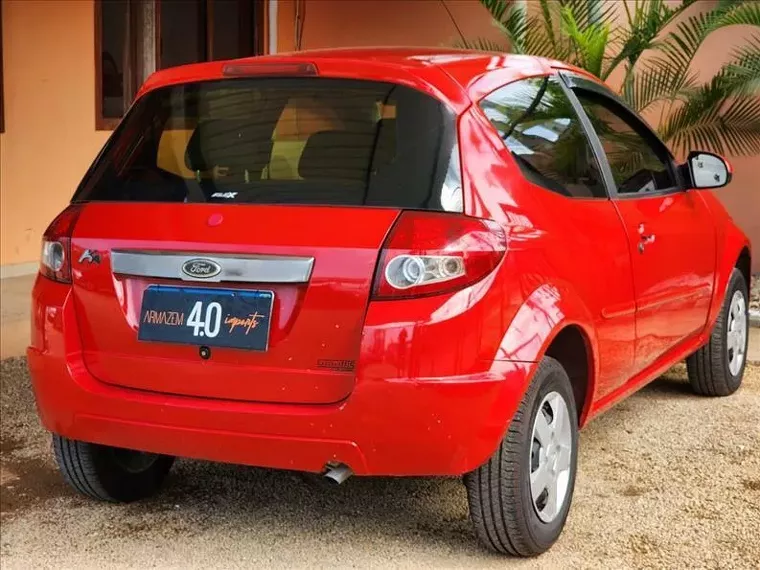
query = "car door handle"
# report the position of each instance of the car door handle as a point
(644, 238)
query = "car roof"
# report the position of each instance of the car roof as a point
(457, 76)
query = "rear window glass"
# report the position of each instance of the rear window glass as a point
(283, 141)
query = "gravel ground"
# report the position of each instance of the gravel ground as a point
(754, 297)
(666, 479)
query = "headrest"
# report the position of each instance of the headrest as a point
(229, 142)
(337, 155)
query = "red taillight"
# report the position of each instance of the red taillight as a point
(55, 261)
(429, 253)
(287, 68)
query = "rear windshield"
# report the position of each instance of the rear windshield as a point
(282, 141)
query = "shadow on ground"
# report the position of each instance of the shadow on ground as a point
(645, 496)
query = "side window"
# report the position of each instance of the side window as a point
(640, 163)
(538, 125)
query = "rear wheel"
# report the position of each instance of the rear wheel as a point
(717, 368)
(519, 500)
(110, 473)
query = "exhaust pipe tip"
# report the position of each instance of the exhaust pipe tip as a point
(337, 474)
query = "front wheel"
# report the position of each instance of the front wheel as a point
(110, 473)
(717, 368)
(520, 498)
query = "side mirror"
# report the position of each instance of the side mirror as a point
(708, 170)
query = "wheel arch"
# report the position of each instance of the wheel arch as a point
(561, 327)
(571, 347)
(744, 264)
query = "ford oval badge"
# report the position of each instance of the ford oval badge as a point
(200, 268)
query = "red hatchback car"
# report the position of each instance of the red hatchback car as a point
(379, 262)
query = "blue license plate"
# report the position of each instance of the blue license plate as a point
(206, 317)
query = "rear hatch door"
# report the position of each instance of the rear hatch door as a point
(319, 280)
(231, 231)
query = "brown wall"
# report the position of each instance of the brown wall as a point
(50, 137)
(342, 23)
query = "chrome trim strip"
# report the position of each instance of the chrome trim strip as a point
(237, 268)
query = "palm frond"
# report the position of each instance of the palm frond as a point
(657, 82)
(591, 12)
(645, 25)
(717, 119)
(681, 45)
(744, 68)
(738, 13)
(588, 43)
(722, 115)
(497, 8)
(511, 21)
(481, 44)
(515, 25)
(546, 38)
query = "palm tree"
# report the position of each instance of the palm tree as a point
(722, 114)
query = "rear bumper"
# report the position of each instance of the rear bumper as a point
(444, 426)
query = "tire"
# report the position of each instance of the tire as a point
(713, 370)
(501, 504)
(109, 473)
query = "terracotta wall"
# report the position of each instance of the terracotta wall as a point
(50, 137)
(742, 196)
(341, 23)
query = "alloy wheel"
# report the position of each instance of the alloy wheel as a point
(551, 454)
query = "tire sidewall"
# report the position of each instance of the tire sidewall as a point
(735, 284)
(545, 534)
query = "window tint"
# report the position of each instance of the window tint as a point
(639, 163)
(537, 123)
(296, 141)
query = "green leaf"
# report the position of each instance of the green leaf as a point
(738, 14)
(589, 44)
(497, 8)
(744, 68)
(644, 26)
(681, 45)
(512, 23)
(658, 82)
(515, 25)
(481, 44)
(716, 119)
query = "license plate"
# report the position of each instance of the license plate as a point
(206, 317)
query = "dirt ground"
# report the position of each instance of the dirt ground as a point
(667, 479)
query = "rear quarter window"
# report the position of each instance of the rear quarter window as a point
(283, 141)
(539, 126)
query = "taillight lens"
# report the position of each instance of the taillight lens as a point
(55, 261)
(428, 253)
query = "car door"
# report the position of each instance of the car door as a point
(671, 235)
(584, 245)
